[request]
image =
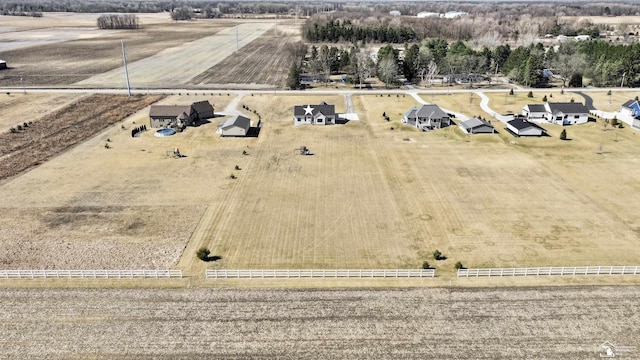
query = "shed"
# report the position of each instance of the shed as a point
(477, 126)
(171, 115)
(522, 127)
(203, 109)
(238, 126)
(3, 64)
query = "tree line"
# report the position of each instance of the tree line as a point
(118, 21)
(344, 30)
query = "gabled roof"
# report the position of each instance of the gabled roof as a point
(322, 108)
(431, 111)
(169, 110)
(568, 108)
(411, 113)
(202, 107)
(239, 121)
(538, 108)
(522, 124)
(630, 103)
(474, 123)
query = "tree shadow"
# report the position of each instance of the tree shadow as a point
(212, 258)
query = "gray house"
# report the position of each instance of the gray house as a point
(522, 127)
(171, 115)
(204, 109)
(477, 126)
(427, 117)
(321, 114)
(237, 126)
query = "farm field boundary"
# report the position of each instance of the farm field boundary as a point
(539, 271)
(89, 274)
(356, 273)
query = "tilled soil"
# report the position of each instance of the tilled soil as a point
(541, 323)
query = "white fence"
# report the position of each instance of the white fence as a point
(272, 274)
(577, 270)
(89, 274)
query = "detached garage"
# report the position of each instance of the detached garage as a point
(238, 126)
(3, 64)
(522, 127)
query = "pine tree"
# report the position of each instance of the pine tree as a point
(563, 135)
(293, 80)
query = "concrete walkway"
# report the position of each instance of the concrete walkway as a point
(458, 115)
(484, 105)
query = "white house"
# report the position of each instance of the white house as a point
(427, 117)
(237, 126)
(630, 108)
(321, 114)
(522, 127)
(534, 112)
(566, 113)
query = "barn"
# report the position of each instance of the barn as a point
(522, 127)
(171, 115)
(477, 126)
(203, 109)
(3, 64)
(238, 126)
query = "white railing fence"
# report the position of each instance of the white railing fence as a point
(89, 274)
(286, 274)
(548, 271)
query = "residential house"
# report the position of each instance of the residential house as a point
(427, 117)
(204, 109)
(521, 127)
(321, 114)
(161, 116)
(566, 113)
(477, 126)
(237, 126)
(534, 112)
(630, 108)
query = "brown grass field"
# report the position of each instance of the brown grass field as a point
(19, 107)
(504, 103)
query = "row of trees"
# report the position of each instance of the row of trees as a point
(344, 30)
(118, 21)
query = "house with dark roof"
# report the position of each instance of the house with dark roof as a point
(566, 113)
(237, 126)
(3, 64)
(630, 108)
(477, 126)
(321, 114)
(161, 116)
(203, 109)
(427, 117)
(522, 127)
(534, 111)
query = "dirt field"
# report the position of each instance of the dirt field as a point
(18, 107)
(249, 64)
(541, 323)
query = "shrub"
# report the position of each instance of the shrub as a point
(614, 121)
(203, 253)
(563, 135)
(425, 265)
(544, 98)
(562, 92)
(437, 255)
(384, 114)
(609, 92)
(511, 92)
(459, 266)
(13, 130)
(233, 176)
(25, 125)
(530, 94)
(238, 167)
(19, 127)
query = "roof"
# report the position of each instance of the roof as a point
(2, 61)
(202, 106)
(323, 108)
(522, 124)
(567, 108)
(431, 111)
(169, 110)
(539, 108)
(239, 121)
(630, 103)
(474, 123)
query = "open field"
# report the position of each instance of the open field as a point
(370, 197)
(248, 65)
(610, 103)
(18, 107)
(541, 323)
(504, 103)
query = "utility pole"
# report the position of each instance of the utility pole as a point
(237, 41)
(23, 89)
(622, 83)
(126, 70)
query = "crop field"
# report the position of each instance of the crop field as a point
(541, 323)
(248, 65)
(19, 107)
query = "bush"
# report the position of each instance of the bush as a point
(563, 135)
(425, 265)
(13, 130)
(203, 253)
(459, 266)
(530, 94)
(238, 167)
(609, 92)
(19, 127)
(437, 255)
(544, 98)
(614, 121)
(511, 92)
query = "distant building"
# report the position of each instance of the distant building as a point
(394, 13)
(426, 14)
(3, 64)
(427, 117)
(583, 37)
(454, 14)
(477, 126)
(321, 114)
